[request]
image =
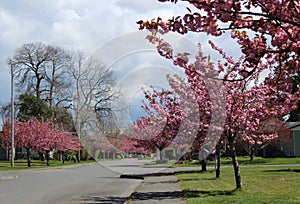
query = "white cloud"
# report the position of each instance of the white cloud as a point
(140, 6)
(68, 14)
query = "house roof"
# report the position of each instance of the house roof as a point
(291, 125)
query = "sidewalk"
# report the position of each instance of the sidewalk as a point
(158, 188)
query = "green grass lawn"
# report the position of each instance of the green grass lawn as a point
(245, 161)
(22, 164)
(261, 184)
(260, 160)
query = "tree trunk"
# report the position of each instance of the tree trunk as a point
(79, 156)
(203, 165)
(41, 155)
(160, 154)
(100, 155)
(238, 179)
(28, 157)
(52, 85)
(218, 169)
(252, 153)
(47, 157)
(218, 160)
(63, 157)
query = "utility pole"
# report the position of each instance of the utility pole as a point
(12, 117)
(78, 109)
(78, 126)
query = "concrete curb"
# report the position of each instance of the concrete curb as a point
(132, 189)
(133, 192)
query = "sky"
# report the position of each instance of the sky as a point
(106, 29)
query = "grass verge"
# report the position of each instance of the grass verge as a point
(261, 184)
(22, 164)
(245, 161)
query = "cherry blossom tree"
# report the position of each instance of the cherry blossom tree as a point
(268, 35)
(39, 136)
(272, 131)
(136, 146)
(124, 144)
(158, 129)
(201, 101)
(57, 139)
(150, 136)
(247, 109)
(248, 102)
(5, 135)
(194, 120)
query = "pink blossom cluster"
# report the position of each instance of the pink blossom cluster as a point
(269, 131)
(39, 136)
(246, 105)
(268, 32)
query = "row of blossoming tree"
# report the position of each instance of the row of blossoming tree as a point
(268, 34)
(39, 136)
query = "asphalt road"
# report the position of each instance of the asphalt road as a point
(92, 183)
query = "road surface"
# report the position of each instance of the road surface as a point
(92, 183)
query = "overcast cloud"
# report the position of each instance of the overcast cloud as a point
(75, 24)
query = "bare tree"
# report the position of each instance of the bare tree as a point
(5, 111)
(40, 69)
(57, 77)
(93, 93)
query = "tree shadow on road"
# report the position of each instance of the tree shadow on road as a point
(193, 171)
(106, 199)
(157, 195)
(142, 176)
(284, 170)
(161, 182)
(198, 193)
